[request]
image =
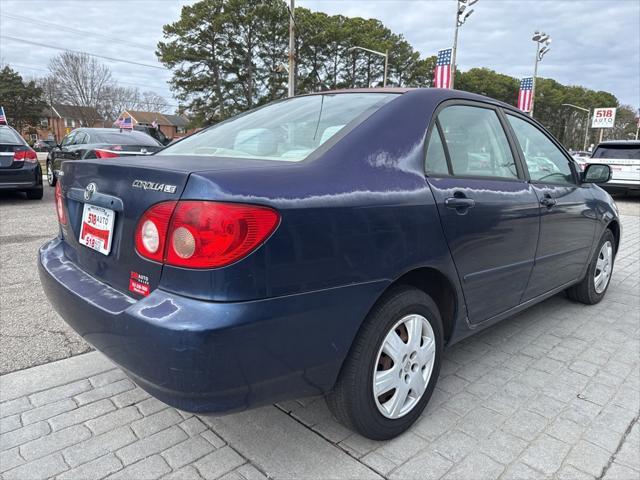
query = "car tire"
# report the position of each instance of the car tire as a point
(35, 193)
(51, 176)
(353, 401)
(589, 291)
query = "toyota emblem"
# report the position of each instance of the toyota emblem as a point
(89, 191)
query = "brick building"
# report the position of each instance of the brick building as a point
(171, 125)
(58, 120)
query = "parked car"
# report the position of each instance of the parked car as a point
(332, 244)
(19, 167)
(101, 143)
(44, 145)
(153, 132)
(623, 156)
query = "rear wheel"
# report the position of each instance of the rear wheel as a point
(392, 368)
(35, 193)
(594, 285)
(51, 177)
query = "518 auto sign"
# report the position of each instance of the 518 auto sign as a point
(603, 118)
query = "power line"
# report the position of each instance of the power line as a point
(118, 81)
(45, 45)
(76, 30)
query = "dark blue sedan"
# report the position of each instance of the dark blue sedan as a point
(331, 244)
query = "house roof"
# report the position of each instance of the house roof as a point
(162, 118)
(74, 112)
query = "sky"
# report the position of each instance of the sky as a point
(595, 43)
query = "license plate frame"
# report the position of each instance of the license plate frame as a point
(96, 230)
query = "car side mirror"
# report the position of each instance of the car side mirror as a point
(596, 173)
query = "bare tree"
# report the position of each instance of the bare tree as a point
(81, 80)
(117, 99)
(51, 90)
(152, 102)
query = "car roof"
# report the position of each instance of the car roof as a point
(443, 93)
(632, 143)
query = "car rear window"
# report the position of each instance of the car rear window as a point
(620, 152)
(288, 131)
(128, 138)
(9, 136)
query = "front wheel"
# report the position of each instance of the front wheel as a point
(51, 176)
(392, 368)
(596, 281)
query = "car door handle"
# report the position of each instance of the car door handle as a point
(459, 202)
(548, 202)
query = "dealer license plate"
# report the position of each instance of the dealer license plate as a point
(97, 228)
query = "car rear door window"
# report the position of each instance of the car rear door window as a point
(545, 162)
(476, 142)
(436, 160)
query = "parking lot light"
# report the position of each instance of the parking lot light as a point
(384, 54)
(586, 126)
(462, 15)
(543, 41)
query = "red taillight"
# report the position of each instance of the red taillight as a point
(202, 234)
(25, 156)
(105, 154)
(62, 214)
(151, 231)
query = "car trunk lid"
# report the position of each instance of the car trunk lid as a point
(624, 161)
(127, 188)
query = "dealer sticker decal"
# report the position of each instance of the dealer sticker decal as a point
(139, 284)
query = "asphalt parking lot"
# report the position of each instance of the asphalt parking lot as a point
(551, 393)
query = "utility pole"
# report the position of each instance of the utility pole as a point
(292, 48)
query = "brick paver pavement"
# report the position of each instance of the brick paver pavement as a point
(551, 393)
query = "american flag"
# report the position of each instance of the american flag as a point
(525, 94)
(3, 117)
(442, 73)
(126, 122)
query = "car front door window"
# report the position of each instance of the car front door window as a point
(68, 140)
(545, 162)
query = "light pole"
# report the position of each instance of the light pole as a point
(462, 14)
(386, 60)
(543, 39)
(586, 126)
(292, 53)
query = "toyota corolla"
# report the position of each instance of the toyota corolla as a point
(332, 243)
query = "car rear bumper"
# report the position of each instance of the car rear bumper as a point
(208, 356)
(614, 184)
(23, 178)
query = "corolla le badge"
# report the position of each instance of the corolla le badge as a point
(89, 190)
(158, 187)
